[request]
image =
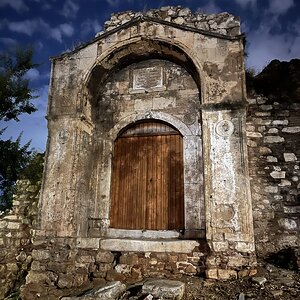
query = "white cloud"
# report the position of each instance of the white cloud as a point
(210, 8)
(66, 29)
(245, 3)
(32, 74)
(70, 9)
(264, 45)
(46, 6)
(60, 31)
(90, 26)
(8, 41)
(280, 6)
(113, 3)
(29, 27)
(18, 5)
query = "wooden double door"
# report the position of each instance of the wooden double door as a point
(147, 178)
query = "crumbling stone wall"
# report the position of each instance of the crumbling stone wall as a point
(15, 237)
(76, 265)
(273, 130)
(222, 23)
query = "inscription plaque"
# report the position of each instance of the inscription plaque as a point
(147, 78)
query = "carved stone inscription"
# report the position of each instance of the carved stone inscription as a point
(147, 78)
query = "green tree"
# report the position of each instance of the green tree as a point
(16, 161)
(15, 93)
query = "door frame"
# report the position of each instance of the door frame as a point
(194, 206)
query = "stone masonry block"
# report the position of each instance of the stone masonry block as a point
(289, 157)
(104, 257)
(273, 139)
(294, 129)
(88, 243)
(227, 274)
(277, 174)
(164, 289)
(40, 255)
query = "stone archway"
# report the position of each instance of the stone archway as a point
(162, 105)
(93, 93)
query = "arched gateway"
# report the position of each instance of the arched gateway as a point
(146, 157)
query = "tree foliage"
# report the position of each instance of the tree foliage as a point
(16, 161)
(14, 158)
(15, 93)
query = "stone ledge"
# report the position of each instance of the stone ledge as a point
(88, 243)
(142, 234)
(131, 245)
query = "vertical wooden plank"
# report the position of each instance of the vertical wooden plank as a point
(136, 184)
(181, 178)
(171, 183)
(122, 197)
(166, 180)
(145, 183)
(163, 181)
(158, 152)
(150, 180)
(177, 200)
(154, 181)
(129, 166)
(115, 185)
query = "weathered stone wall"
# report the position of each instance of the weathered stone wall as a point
(273, 130)
(75, 265)
(222, 23)
(93, 98)
(15, 237)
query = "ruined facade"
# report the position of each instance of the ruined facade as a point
(152, 69)
(147, 167)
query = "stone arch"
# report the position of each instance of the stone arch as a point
(132, 50)
(155, 115)
(127, 52)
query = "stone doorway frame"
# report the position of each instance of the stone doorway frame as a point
(193, 178)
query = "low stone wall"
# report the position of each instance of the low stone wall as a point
(222, 23)
(75, 265)
(15, 237)
(273, 130)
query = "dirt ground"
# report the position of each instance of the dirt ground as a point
(270, 282)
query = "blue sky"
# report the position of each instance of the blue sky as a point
(272, 28)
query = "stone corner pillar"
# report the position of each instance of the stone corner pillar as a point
(229, 221)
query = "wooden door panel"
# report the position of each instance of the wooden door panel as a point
(147, 182)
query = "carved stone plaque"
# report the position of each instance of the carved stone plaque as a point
(147, 78)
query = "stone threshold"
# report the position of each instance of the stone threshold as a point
(142, 245)
(142, 234)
